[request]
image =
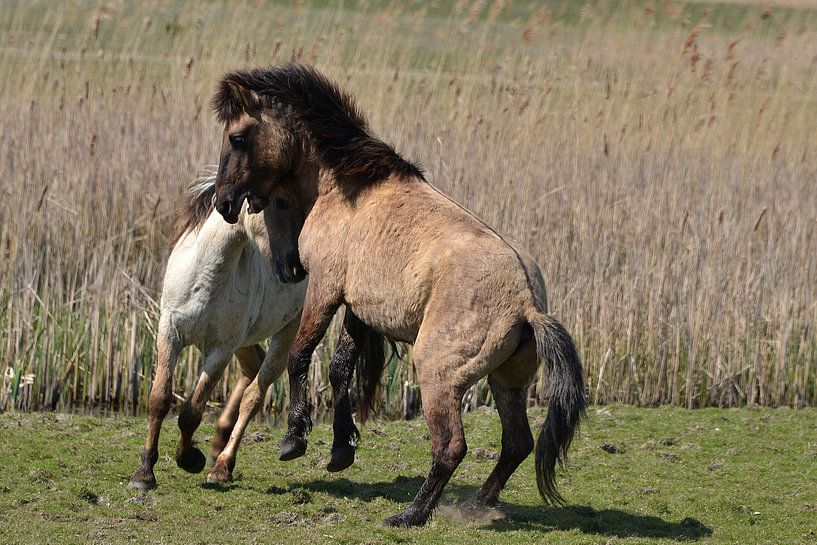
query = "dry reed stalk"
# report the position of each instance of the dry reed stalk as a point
(659, 164)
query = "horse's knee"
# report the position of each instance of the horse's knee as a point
(189, 418)
(298, 362)
(518, 448)
(342, 367)
(457, 449)
(251, 398)
(526, 443)
(159, 403)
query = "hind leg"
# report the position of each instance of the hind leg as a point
(168, 348)
(449, 358)
(250, 359)
(274, 364)
(509, 385)
(441, 406)
(189, 457)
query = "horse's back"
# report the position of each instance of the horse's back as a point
(410, 243)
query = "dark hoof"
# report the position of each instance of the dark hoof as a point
(192, 461)
(342, 457)
(291, 448)
(407, 519)
(483, 500)
(220, 473)
(142, 480)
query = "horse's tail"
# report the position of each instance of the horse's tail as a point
(199, 203)
(369, 370)
(567, 403)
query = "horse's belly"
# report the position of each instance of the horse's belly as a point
(390, 299)
(396, 317)
(280, 304)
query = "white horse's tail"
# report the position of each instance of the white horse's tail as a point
(199, 204)
(204, 184)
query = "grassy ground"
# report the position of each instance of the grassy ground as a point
(635, 476)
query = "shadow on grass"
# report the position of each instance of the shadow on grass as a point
(608, 522)
(219, 487)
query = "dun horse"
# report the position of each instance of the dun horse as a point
(226, 289)
(410, 263)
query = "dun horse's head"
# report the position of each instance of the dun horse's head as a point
(284, 218)
(258, 152)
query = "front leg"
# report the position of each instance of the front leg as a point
(319, 308)
(168, 347)
(358, 346)
(345, 433)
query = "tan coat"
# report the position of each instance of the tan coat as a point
(410, 263)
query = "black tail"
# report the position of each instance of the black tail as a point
(369, 369)
(567, 402)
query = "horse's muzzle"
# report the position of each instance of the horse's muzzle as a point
(230, 206)
(228, 211)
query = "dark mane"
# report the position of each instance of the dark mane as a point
(197, 207)
(327, 114)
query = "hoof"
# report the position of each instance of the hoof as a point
(483, 499)
(192, 461)
(407, 519)
(142, 480)
(342, 457)
(291, 448)
(220, 474)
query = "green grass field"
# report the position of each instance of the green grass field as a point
(635, 476)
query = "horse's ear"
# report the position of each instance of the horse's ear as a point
(249, 100)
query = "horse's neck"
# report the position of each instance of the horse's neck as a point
(255, 230)
(222, 242)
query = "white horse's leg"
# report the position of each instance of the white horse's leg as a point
(250, 359)
(188, 457)
(274, 364)
(168, 347)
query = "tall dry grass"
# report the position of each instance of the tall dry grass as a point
(658, 158)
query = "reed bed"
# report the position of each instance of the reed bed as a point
(657, 158)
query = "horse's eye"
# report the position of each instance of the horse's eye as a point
(238, 140)
(281, 204)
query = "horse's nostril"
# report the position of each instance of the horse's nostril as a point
(223, 207)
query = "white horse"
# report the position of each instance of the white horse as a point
(226, 289)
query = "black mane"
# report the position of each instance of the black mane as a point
(327, 114)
